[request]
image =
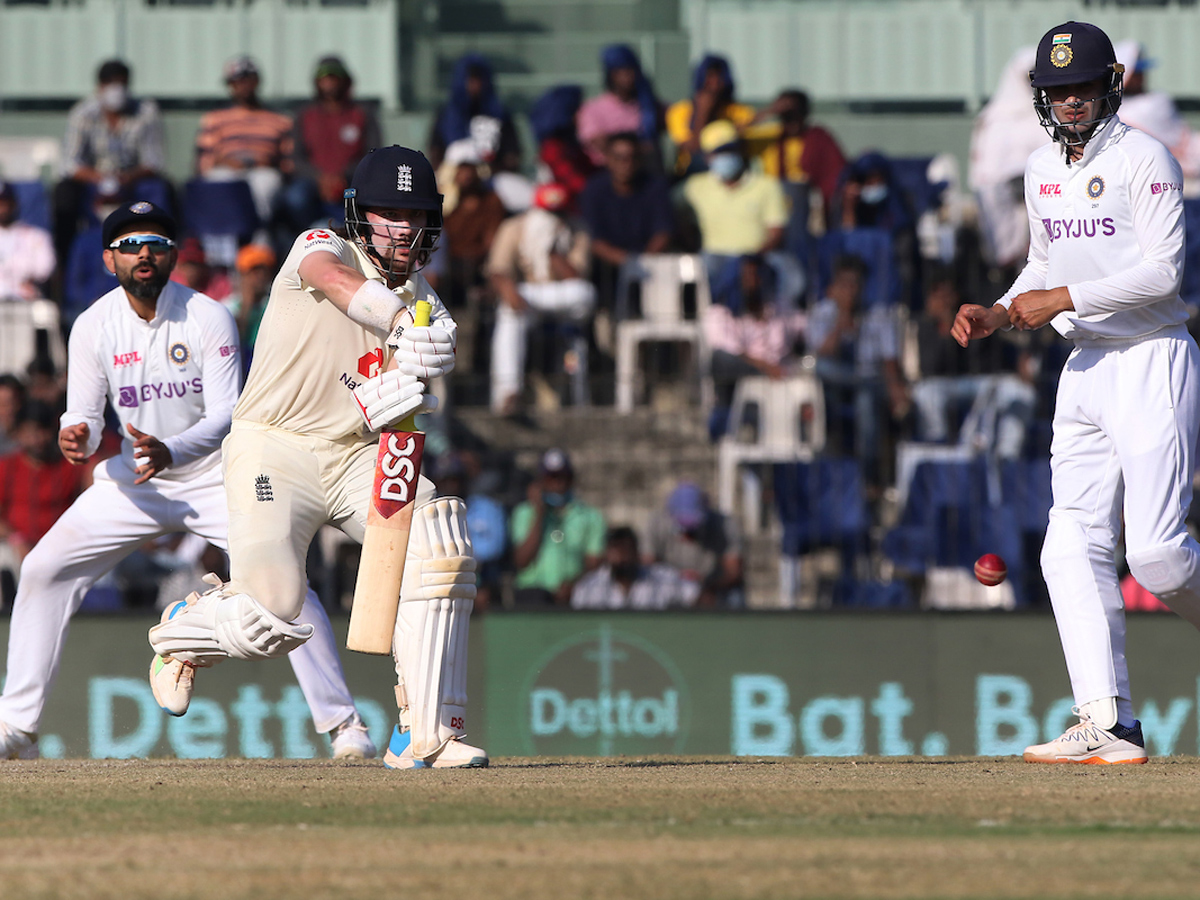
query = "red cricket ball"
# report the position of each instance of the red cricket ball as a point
(990, 569)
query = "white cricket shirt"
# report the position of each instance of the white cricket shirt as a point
(175, 377)
(310, 356)
(1110, 228)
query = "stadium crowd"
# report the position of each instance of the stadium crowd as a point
(844, 270)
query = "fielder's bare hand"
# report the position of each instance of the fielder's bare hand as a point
(72, 441)
(974, 322)
(150, 453)
(1033, 309)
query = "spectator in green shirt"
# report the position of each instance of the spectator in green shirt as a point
(556, 539)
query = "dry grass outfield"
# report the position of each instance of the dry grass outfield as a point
(541, 829)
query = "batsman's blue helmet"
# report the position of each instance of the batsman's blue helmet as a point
(1075, 53)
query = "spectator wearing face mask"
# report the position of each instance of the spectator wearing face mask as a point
(625, 582)
(113, 144)
(738, 212)
(555, 537)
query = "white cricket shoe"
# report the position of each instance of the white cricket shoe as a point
(350, 740)
(17, 744)
(454, 755)
(172, 681)
(1087, 742)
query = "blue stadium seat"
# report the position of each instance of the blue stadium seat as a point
(821, 504)
(875, 247)
(909, 174)
(33, 204)
(221, 214)
(956, 512)
(1190, 289)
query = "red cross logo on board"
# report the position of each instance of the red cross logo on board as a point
(370, 364)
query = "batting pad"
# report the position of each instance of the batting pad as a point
(436, 598)
(218, 625)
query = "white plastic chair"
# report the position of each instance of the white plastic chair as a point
(791, 428)
(662, 277)
(20, 322)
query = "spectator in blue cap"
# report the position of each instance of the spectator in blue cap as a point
(703, 545)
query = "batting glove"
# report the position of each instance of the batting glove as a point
(424, 351)
(389, 397)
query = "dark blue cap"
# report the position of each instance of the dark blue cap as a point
(1072, 53)
(131, 216)
(395, 178)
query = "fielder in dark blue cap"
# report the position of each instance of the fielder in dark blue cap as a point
(139, 248)
(1075, 54)
(140, 215)
(1106, 260)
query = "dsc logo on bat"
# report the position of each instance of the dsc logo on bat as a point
(397, 472)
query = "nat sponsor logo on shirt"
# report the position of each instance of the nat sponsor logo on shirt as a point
(1050, 190)
(318, 236)
(1058, 229)
(131, 396)
(121, 360)
(1161, 187)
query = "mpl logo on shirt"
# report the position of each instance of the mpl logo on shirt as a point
(1050, 190)
(606, 693)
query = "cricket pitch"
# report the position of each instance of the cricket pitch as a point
(678, 827)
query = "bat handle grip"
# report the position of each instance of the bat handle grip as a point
(421, 312)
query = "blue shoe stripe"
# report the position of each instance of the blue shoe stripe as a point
(400, 741)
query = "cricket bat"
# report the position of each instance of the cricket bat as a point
(385, 542)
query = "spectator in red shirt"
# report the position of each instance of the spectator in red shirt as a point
(36, 483)
(559, 150)
(333, 133)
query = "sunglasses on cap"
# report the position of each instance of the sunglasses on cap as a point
(133, 243)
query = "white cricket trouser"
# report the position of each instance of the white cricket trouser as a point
(104, 525)
(572, 301)
(282, 487)
(1125, 426)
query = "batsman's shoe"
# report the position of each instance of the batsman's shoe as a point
(17, 744)
(1087, 742)
(454, 755)
(350, 740)
(171, 680)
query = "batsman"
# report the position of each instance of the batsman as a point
(339, 358)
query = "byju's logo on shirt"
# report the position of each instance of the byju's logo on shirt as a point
(132, 396)
(1057, 229)
(1161, 187)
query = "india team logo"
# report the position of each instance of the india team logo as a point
(141, 208)
(404, 178)
(1095, 187)
(1060, 51)
(180, 354)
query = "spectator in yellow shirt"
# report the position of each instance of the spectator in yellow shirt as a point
(739, 212)
(711, 101)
